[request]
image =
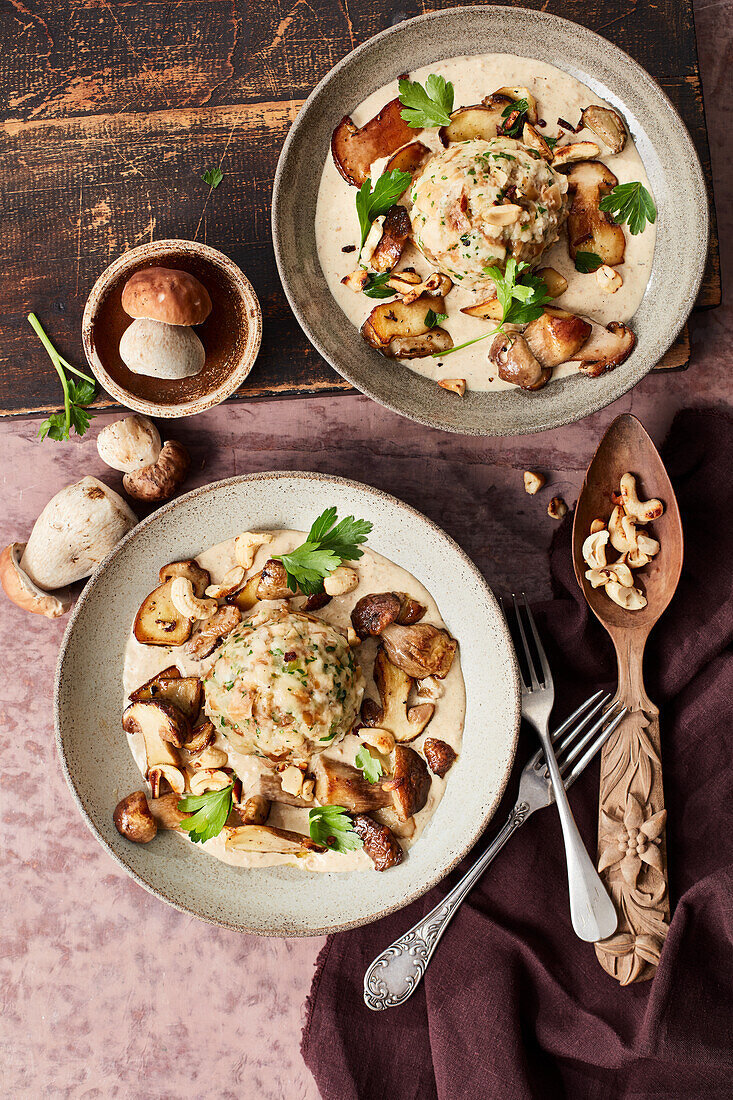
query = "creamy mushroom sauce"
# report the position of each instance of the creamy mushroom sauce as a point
(557, 95)
(376, 574)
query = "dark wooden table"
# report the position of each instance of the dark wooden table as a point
(114, 110)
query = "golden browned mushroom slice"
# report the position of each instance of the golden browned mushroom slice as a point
(315, 602)
(158, 622)
(575, 151)
(380, 843)
(534, 140)
(273, 583)
(212, 631)
(412, 782)
(397, 319)
(394, 684)
(354, 149)
(255, 810)
(396, 230)
(158, 720)
(556, 336)
(265, 838)
(511, 355)
(165, 810)
(591, 229)
(338, 784)
(556, 283)
(606, 349)
(420, 650)
(607, 125)
(133, 819)
(184, 692)
(408, 159)
(200, 737)
(191, 571)
(375, 611)
(269, 786)
(435, 342)
(490, 310)
(247, 597)
(439, 755)
(481, 121)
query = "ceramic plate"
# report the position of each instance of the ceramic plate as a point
(661, 139)
(97, 763)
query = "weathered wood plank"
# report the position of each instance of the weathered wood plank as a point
(114, 109)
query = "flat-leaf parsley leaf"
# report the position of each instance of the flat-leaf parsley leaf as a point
(632, 203)
(370, 204)
(370, 767)
(209, 813)
(327, 545)
(376, 286)
(432, 318)
(213, 177)
(428, 106)
(77, 395)
(332, 827)
(585, 262)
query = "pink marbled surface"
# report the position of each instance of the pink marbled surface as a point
(106, 991)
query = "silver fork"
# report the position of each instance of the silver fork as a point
(591, 909)
(396, 973)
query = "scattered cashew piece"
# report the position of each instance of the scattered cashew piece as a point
(187, 603)
(608, 280)
(381, 740)
(204, 780)
(533, 482)
(455, 385)
(557, 508)
(247, 544)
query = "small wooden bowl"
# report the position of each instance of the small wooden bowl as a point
(231, 334)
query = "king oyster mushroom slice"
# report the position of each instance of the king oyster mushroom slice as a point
(512, 356)
(556, 336)
(339, 784)
(273, 582)
(435, 342)
(479, 121)
(213, 631)
(409, 158)
(265, 838)
(405, 723)
(158, 722)
(74, 532)
(607, 125)
(183, 692)
(354, 149)
(380, 843)
(412, 782)
(606, 348)
(591, 229)
(396, 319)
(133, 819)
(420, 650)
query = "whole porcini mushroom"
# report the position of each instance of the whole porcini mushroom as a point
(19, 588)
(133, 819)
(74, 532)
(168, 295)
(158, 482)
(129, 444)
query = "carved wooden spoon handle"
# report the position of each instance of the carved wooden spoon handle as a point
(632, 856)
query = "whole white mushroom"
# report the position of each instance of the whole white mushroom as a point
(74, 532)
(130, 444)
(160, 350)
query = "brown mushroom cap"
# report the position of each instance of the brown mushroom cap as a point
(412, 782)
(420, 650)
(380, 844)
(439, 755)
(164, 294)
(133, 819)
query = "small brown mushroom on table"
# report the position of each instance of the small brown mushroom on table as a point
(165, 303)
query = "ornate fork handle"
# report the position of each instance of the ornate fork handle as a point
(396, 973)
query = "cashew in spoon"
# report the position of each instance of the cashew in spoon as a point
(631, 599)
(622, 531)
(640, 511)
(594, 549)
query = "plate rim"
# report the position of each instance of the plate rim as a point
(223, 922)
(597, 400)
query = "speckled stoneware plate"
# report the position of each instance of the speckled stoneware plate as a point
(663, 143)
(97, 763)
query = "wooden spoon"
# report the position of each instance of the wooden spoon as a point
(631, 844)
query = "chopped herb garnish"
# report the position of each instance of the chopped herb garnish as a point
(213, 177)
(370, 204)
(376, 286)
(585, 262)
(77, 395)
(370, 767)
(551, 141)
(432, 318)
(209, 813)
(332, 827)
(327, 545)
(631, 203)
(428, 106)
(520, 105)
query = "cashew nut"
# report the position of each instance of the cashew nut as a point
(381, 740)
(247, 544)
(594, 549)
(533, 482)
(646, 549)
(291, 780)
(608, 280)
(622, 531)
(212, 757)
(596, 526)
(631, 599)
(506, 214)
(455, 385)
(187, 603)
(557, 508)
(342, 580)
(641, 511)
(430, 688)
(231, 582)
(174, 777)
(352, 637)
(205, 780)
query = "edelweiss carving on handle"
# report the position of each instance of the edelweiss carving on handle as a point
(631, 846)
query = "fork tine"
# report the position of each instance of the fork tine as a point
(534, 682)
(592, 699)
(571, 736)
(578, 746)
(593, 749)
(546, 673)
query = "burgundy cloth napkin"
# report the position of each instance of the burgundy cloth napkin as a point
(513, 1005)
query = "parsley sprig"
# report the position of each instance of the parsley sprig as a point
(586, 262)
(428, 106)
(522, 298)
(332, 827)
(631, 203)
(370, 204)
(77, 395)
(209, 813)
(213, 176)
(376, 286)
(327, 545)
(370, 767)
